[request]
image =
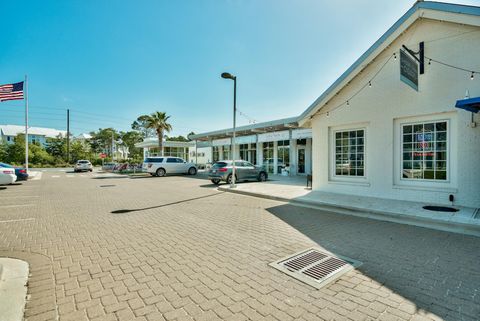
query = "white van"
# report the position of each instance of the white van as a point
(161, 166)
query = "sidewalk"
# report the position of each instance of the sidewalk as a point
(293, 190)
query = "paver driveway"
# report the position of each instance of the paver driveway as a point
(105, 247)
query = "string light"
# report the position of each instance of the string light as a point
(369, 84)
(471, 72)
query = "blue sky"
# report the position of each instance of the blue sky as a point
(111, 61)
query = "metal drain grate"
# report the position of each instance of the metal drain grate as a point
(315, 267)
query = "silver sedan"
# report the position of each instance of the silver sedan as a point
(222, 171)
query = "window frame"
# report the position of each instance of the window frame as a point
(447, 150)
(354, 178)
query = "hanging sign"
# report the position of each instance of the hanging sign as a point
(408, 70)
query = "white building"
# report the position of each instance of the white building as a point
(375, 135)
(170, 148)
(35, 134)
(278, 145)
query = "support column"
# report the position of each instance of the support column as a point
(308, 156)
(293, 157)
(275, 157)
(259, 154)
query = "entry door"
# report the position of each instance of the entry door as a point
(301, 160)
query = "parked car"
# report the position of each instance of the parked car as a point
(161, 166)
(7, 175)
(20, 172)
(108, 166)
(83, 165)
(222, 171)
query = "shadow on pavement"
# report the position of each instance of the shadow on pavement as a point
(437, 271)
(123, 211)
(109, 177)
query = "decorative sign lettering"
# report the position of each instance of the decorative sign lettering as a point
(221, 142)
(408, 70)
(302, 133)
(246, 139)
(274, 136)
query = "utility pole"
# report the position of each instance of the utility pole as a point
(68, 136)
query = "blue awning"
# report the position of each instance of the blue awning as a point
(470, 104)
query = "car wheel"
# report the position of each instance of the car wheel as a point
(215, 181)
(262, 177)
(160, 172)
(229, 179)
(192, 171)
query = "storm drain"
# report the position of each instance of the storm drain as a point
(315, 267)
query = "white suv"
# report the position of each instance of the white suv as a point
(83, 165)
(160, 166)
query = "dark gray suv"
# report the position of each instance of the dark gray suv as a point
(222, 171)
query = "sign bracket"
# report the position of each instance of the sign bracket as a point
(420, 53)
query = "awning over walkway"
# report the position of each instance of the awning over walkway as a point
(470, 104)
(265, 127)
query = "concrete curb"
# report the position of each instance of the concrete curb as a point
(13, 288)
(442, 225)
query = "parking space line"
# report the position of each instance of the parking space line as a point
(23, 196)
(18, 220)
(19, 205)
(38, 176)
(55, 176)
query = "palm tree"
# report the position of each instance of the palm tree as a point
(158, 122)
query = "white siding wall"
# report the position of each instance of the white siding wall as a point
(389, 102)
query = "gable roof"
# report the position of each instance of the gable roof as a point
(421, 9)
(14, 130)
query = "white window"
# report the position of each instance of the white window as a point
(424, 154)
(350, 152)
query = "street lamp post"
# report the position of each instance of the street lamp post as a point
(226, 75)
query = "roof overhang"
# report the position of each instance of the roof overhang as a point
(468, 15)
(258, 128)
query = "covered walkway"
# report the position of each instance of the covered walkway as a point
(293, 189)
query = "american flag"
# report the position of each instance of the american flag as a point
(11, 91)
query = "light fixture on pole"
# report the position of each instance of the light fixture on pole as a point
(226, 75)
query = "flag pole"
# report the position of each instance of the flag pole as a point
(26, 124)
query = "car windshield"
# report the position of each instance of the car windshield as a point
(219, 165)
(5, 165)
(83, 162)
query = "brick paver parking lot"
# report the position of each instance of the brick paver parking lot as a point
(108, 247)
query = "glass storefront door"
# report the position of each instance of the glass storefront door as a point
(283, 155)
(301, 160)
(268, 156)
